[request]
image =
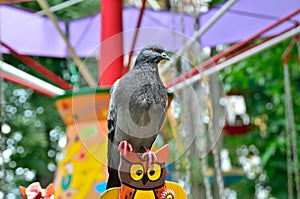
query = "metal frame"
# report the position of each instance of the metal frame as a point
(39, 68)
(22, 78)
(210, 66)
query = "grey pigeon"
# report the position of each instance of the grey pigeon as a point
(137, 110)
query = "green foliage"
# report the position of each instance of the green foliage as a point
(82, 9)
(36, 127)
(260, 80)
(216, 2)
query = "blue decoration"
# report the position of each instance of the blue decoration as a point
(66, 181)
(100, 187)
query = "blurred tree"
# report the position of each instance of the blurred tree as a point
(260, 80)
(32, 144)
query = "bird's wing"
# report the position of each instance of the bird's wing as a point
(112, 152)
(112, 110)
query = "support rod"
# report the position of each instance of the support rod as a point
(197, 35)
(187, 79)
(288, 129)
(40, 68)
(291, 140)
(80, 65)
(18, 76)
(211, 62)
(60, 6)
(13, 1)
(249, 47)
(241, 44)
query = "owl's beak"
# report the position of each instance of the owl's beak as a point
(145, 178)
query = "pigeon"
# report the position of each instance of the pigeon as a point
(137, 110)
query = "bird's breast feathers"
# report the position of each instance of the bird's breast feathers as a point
(142, 109)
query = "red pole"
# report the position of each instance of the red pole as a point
(25, 84)
(210, 62)
(111, 51)
(39, 68)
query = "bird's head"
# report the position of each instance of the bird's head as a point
(152, 53)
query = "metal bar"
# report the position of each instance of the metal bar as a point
(214, 59)
(154, 5)
(40, 68)
(12, 1)
(80, 65)
(18, 76)
(288, 130)
(136, 33)
(15, 80)
(59, 6)
(250, 39)
(198, 34)
(291, 140)
(185, 79)
(254, 45)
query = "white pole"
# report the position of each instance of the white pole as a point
(236, 59)
(59, 6)
(197, 35)
(11, 70)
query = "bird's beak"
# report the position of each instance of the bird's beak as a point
(165, 56)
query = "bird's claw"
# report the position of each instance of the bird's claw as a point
(124, 146)
(149, 156)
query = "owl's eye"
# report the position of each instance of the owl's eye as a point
(153, 49)
(136, 171)
(154, 172)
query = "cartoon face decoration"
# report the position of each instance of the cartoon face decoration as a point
(136, 174)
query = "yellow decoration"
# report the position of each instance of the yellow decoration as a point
(82, 172)
(113, 193)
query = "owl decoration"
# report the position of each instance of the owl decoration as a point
(139, 180)
(136, 174)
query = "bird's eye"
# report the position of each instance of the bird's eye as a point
(154, 49)
(154, 172)
(136, 171)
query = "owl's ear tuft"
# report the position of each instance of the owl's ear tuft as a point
(162, 154)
